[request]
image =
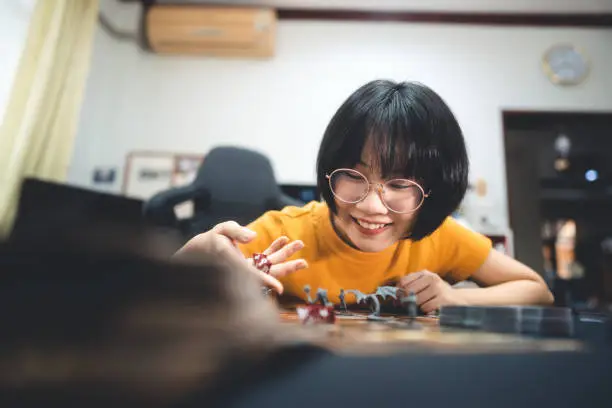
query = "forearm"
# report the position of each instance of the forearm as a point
(519, 292)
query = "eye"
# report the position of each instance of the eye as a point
(400, 184)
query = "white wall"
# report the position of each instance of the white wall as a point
(141, 101)
(14, 19)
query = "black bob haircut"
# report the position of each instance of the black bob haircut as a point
(414, 134)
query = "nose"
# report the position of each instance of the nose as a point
(372, 203)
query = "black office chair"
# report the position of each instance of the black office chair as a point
(232, 184)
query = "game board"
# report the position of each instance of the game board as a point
(355, 334)
(458, 329)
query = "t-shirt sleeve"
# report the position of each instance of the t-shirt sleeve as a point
(268, 228)
(462, 250)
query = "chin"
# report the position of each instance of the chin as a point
(370, 245)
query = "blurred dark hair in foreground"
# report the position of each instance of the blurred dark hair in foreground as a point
(96, 313)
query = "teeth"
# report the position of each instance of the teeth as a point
(370, 226)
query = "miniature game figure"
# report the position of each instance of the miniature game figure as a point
(390, 291)
(412, 310)
(382, 291)
(411, 302)
(322, 297)
(342, 301)
(361, 297)
(307, 291)
(322, 312)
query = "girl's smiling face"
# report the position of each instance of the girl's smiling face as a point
(385, 130)
(369, 225)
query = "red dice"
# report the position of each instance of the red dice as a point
(261, 262)
(316, 314)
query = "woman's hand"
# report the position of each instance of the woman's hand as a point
(278, 252)
(223, 239)
(431, 291)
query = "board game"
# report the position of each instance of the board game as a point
(393, 325)
(354, 333)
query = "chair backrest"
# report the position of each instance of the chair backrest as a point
(240, 186)
(237, 175)
(232, 183)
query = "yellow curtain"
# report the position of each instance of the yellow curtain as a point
(37, 134)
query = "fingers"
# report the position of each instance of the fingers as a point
(279, 271)
(416, 282)
(285, 252)
(234, 231)
(417, 286)
(431, 305)
(276, 245)
(205, 245)
(269, 280)
(426, 295)
(406, 280)
(219, 241)
(285, 268)
(278, 252)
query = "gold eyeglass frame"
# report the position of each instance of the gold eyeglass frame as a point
(380, 188)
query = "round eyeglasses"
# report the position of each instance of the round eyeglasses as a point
(401, 196)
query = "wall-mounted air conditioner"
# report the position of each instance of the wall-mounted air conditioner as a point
(213, 31)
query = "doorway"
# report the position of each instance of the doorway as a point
(559, 178)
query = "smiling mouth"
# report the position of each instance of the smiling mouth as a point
(370, 228)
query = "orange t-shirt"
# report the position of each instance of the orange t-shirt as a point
(452, 251)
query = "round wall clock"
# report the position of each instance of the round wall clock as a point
(564, 64)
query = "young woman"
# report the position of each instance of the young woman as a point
(392, 167)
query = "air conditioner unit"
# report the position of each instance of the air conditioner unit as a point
(211, 31)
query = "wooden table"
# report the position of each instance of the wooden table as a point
(358, 336)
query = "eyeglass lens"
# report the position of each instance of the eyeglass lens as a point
(399, 195)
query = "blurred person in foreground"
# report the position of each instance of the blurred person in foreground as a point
(105, 322)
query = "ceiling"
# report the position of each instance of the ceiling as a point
(122, 16)
(491, 6)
